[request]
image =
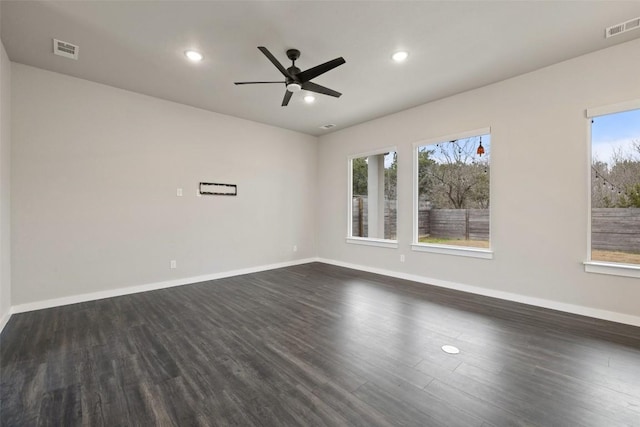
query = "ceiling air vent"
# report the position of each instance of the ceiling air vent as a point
(65, 49)
(631, 24)
(329, 126)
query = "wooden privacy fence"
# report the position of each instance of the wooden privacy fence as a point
(360, 213)
(469, 224)
(615, 229)
(612, 229)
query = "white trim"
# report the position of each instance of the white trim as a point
(415, 228)
(445, 249)
(349, 197)
(615, 269)
(597, 313)
(539, 302)
(5, 318)
(373, 152)
(633, 104)
(453, 250)
(589, 189)
(382, 243)
(73, 299)
(452, 137)
(599, 267)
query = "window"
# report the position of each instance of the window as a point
(615, 186)
(452, 194)
(373, 203)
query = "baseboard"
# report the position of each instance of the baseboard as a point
(539, 302)
(5, 318)
(56, 302)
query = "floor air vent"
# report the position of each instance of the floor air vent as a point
(65, 49)
(631, 24)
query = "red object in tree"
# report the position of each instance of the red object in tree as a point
(480, 149)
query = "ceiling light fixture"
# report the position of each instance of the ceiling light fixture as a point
(294, 87)
(400, 56)
(193, 55)
(309, 99)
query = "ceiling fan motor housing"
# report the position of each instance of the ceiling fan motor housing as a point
(292, 82)
(293, 54)
(293, 71)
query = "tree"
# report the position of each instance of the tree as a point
(454, 176)
(360, 176)
(425, 182)
(615, 183)
(631, 197)
(391, 178)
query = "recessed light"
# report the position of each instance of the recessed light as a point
(400, 56)
(193, 55)
(309, 99)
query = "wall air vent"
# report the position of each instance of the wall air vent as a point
(329, 126)
(631, 24)
(65, 49)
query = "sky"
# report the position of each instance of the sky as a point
(609, 132)
(439, 158)
(614, 131)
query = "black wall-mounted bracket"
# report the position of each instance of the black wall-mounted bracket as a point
(214, 189)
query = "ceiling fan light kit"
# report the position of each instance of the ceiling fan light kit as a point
(295, 79)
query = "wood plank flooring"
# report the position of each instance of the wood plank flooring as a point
(315, 345)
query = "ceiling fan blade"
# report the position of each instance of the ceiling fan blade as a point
(287, 97)
(274, 61)
(254, 83)
(311, 73)
(320, 89)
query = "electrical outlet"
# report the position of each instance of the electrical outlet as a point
(295, 248)
(174, 264)
(179, 192)
(401, 258)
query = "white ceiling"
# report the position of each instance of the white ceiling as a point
(453, 46)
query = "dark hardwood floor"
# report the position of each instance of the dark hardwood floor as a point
(315, 345)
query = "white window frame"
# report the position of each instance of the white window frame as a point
(367, 241)
(601, 267)
(464, 251)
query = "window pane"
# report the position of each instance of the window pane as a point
(615, 187)
(453, 192)
(374, 202)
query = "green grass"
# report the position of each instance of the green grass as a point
(596, 255)
(615, 256)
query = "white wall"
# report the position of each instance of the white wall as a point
(95, 173)
(538, 189)
(5, 186)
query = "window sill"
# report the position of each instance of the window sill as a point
(612, 268)
(382, 243)
(453, 250)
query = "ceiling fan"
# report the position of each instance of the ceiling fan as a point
(296, 79)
